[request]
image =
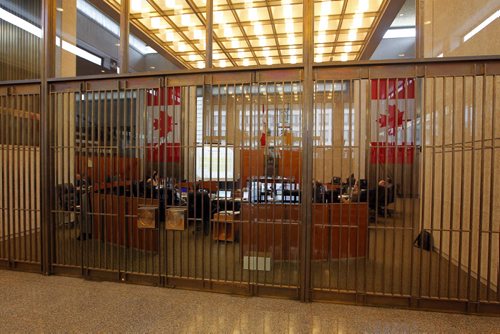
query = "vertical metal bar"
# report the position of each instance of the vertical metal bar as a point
(307, 126)
(492, 195)
(209, 34)
(472, 190)
(47, 70)
(481, 189)
(124, 35)
(462, 172)
(3, 168)
(452, 190)
(443, 193)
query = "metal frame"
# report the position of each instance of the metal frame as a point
(129, 92)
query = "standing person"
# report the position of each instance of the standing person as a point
(82, 199)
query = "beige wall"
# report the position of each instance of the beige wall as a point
(446, 22)
(454, 196)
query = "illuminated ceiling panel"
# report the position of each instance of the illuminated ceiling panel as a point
(256, 32)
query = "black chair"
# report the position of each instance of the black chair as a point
(337, 180)
(380, 200)
(66, 196)
(332, 196)
(199, 210)
(318, 192)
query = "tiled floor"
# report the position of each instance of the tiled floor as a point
(37, 303)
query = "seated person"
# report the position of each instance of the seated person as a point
(318, 192)
(357, 194)
(153, 180)
(332, 196)
(382, 196)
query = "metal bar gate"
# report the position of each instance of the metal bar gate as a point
(195, 180)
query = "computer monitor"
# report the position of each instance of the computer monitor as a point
(224, 194)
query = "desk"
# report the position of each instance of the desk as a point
(115, 221)
(339, 230)
(225, 226)
(270, 229)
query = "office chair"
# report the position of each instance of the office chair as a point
(199, 210)
(332, 196)
(66, 196)
(337, 180)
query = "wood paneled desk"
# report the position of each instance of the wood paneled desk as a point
(339, 230)
(115, 221)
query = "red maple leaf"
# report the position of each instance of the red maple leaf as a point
(159, 124)
(395, 120)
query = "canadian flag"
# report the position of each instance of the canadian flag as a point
(392, 120)
(163, 131)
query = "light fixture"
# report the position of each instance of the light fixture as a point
(348, 47)
(262, 41)
(235, 43)
(252, 14)
(482, 25)
(218, 17)
(170, 4)
(257, 29)
(326, 6)
(222, 63)
(228, 32)
(201, 64)
(343, 57)
(169, 36)
(181, 47)
(186, 20)
(357, 21)
(136, 5)
(323, 23)
(246, 62)
(400, 33)
(197, 34)
(287, 11)
(155, 22)
(363, 6)
(352, 34)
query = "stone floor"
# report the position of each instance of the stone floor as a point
(37, 303)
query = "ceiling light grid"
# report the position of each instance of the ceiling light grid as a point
(256, 32)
